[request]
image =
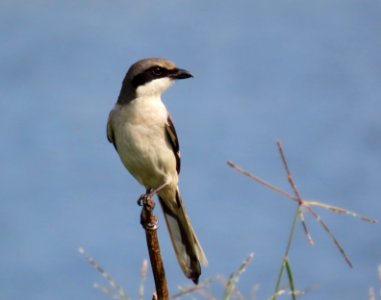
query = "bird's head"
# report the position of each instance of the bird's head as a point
(153, 76)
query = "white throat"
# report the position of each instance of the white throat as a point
(154, 88)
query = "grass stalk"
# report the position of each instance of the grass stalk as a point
(287, 251)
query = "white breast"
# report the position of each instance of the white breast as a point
(139, 132)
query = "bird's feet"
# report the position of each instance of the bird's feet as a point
(146, 200)
(148, 220)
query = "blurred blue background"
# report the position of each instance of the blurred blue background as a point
(305, 72)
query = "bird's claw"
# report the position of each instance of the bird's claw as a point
(146, 200)
(142, 200)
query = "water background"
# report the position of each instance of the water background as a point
(305, 72)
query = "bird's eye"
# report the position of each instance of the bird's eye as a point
(157, 71)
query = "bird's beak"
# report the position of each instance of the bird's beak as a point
(180, 74)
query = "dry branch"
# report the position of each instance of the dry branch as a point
(149, 223)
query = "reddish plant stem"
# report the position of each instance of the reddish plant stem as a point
(149, 223)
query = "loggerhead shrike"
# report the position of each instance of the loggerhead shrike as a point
(143, 134)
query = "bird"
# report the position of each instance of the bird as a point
(143, 134)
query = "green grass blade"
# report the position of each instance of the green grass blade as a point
(290, 278)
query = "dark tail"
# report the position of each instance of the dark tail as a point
(187, 247)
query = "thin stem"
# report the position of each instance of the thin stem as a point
(290, 278)
(288, 172)
(149, 223)
(261, 181)
(288, 247)
(292, 232)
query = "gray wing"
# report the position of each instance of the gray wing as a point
(173, 141)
